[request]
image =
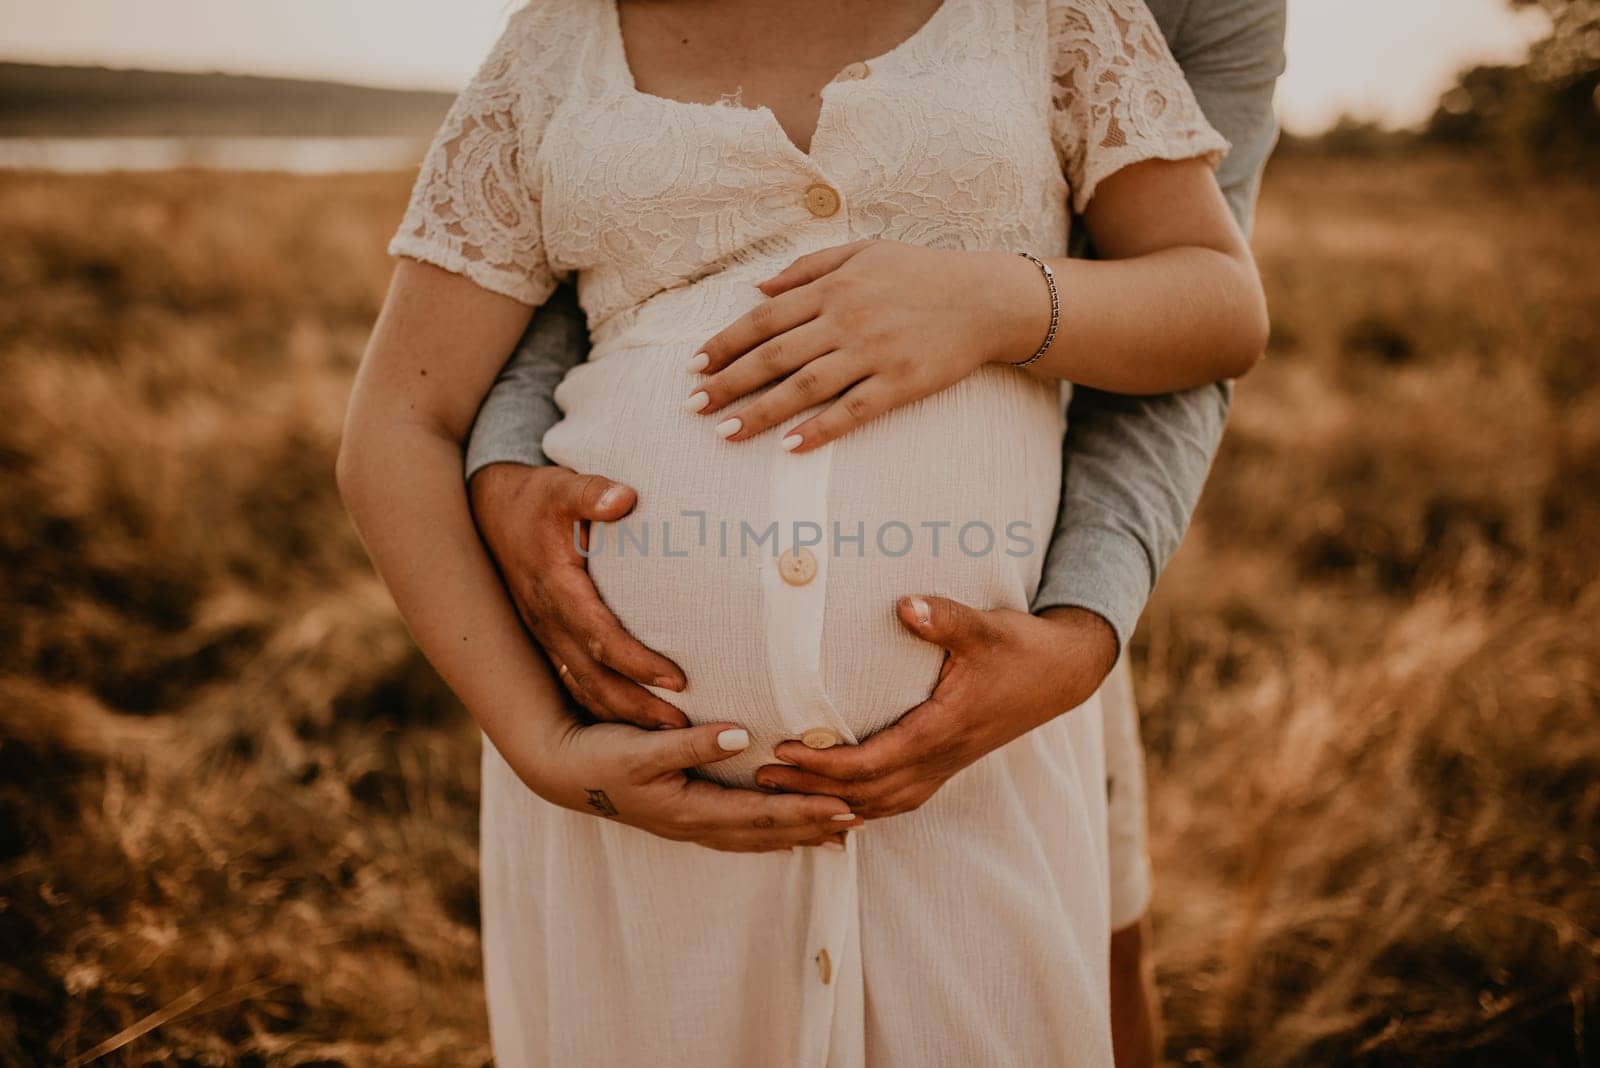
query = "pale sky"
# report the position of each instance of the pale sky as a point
(1377, 59)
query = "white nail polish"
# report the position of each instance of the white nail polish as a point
(844, 817)
(611, 497)
(699, 362)
(791, 443)
(734, 740)
(697, 401)
(919, 608)
(728, 428)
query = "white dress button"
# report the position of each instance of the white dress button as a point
(819, 738)
(821, 200)
(797, 566)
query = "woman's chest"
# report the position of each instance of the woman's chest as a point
(943, 141)
(761, 53)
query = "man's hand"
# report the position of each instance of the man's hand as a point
(526, 517)
(1006, 673)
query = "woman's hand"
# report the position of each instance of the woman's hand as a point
(1175, 302)
(438, 345)
(638, 777)
(871, 326)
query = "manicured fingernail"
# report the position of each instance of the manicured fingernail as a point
(612, 496)
(697, 401)
(837, 847)
(665, 683)
(919, 608)
(699, 362)
(843, 817)
(728, 428)
(791, 443)
(766, 784)
(734, 739)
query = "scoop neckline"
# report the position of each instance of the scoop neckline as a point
(619, 51)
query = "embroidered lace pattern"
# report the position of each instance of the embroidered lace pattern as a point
(973, 133)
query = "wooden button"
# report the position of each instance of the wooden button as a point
(797, 566)
(855, 72)
(819, 738)
(821, 200)
(824, 966)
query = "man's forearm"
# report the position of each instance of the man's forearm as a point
(1133, 467)
(521, 407)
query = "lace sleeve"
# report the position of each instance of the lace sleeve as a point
(1118, 96)
(475, 209)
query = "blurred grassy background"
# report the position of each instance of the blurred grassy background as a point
(237, 812)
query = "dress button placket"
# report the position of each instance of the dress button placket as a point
(834, 980)
(794, 584)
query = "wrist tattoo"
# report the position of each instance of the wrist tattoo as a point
(601, 803)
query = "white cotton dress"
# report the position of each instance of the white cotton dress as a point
(974, 930)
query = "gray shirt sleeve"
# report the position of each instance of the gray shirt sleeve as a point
(521, 406)
(1133, 467)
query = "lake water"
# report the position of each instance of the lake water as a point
(296, 155)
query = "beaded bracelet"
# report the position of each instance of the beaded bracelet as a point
(1055, 311)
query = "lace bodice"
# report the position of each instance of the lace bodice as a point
(979, 131)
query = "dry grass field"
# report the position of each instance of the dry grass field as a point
(237, 812)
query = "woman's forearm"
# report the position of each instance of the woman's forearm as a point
(1169, 320)
(401, 482)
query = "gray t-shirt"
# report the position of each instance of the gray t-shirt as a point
(1133, 467)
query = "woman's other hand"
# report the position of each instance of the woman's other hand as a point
(1174, 303)
(871, 326)
(437, 346)
(638, 777)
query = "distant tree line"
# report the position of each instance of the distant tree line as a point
(1544, 112)
(56, 101)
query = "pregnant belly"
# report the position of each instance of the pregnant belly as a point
(954, 496)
